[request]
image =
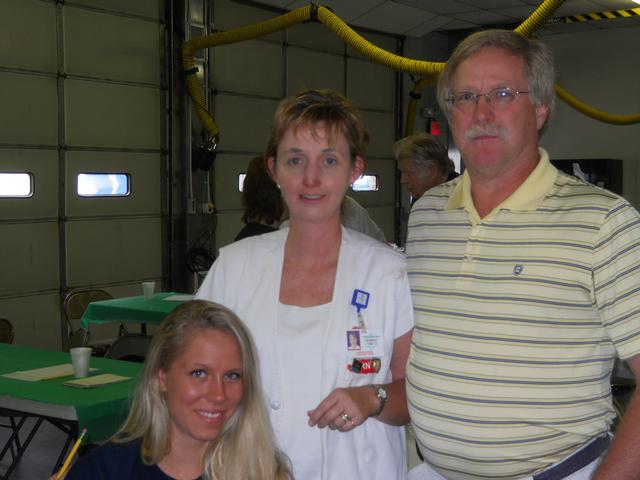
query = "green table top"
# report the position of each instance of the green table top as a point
(101, 410)
(131, 310)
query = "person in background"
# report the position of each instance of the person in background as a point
(338, 413)
(423, 162)
(525, 288)
(261, 200)
(356, 217)
(198, 410)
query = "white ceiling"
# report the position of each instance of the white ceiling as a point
(416, 18)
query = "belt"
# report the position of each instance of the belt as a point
(578, 460)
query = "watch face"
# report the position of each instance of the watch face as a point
(382, 393)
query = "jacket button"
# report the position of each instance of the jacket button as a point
(275, 405)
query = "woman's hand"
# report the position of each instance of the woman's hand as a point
(344, 408)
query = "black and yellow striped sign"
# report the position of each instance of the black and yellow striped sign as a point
(588, 17)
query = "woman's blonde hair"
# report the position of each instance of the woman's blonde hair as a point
(245, 448)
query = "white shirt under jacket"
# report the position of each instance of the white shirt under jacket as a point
(246, 278)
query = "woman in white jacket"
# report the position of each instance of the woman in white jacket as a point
(337, 409)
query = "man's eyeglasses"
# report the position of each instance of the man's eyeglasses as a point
(496, 98)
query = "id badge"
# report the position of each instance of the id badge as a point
(364, 343)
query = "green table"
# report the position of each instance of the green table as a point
(101, 410)
(131, 310)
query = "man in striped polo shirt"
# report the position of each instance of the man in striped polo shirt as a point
(526, 286)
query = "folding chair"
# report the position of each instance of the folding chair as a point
(75, 303)
(7, 333)
(132, 347)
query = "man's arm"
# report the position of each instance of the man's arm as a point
(622, 461)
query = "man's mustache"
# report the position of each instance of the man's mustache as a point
(486, 130)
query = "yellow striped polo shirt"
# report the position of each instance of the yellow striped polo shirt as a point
(519, 316)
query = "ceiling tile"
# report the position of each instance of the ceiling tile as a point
(393, 17)
(347, 11)
(571, 27)
(482, 18)
(429, 26)
(516, 12)
(576, 7)
(458, 25)
(438, 6)
(491, 4)
(419, 17)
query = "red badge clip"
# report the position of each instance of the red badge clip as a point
(365, 365)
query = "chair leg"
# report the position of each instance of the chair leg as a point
(13, 444)
(16, 428)
(16, 460)
(122, 330)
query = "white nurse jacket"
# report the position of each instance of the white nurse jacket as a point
(246, 278)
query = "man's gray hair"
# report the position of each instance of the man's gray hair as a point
(537, 58)
(423, 149)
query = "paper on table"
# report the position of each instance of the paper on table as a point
(46, 373)
(181, 297)
(90, 382)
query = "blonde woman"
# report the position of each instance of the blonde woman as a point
(197, 411)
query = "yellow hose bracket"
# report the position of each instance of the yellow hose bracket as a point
(594, 113)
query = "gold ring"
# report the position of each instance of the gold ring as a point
(345, 416)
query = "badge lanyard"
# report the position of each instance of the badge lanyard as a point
(360, 300)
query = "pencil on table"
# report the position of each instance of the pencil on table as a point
(65, 466)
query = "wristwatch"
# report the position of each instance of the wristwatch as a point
(382, 396)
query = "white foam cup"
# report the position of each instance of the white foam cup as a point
(80, 359)
(147, 289)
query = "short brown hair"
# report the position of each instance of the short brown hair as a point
(310, 107)
(261, 197)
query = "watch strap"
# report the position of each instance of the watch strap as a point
(381, 395)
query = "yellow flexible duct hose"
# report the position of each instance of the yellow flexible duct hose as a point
(594, 113)
(411, 116)
(413, 103)
(528, 27)
(299, 15)
(377, 54)
(539, 17)
(222, 38)
(429, 69)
